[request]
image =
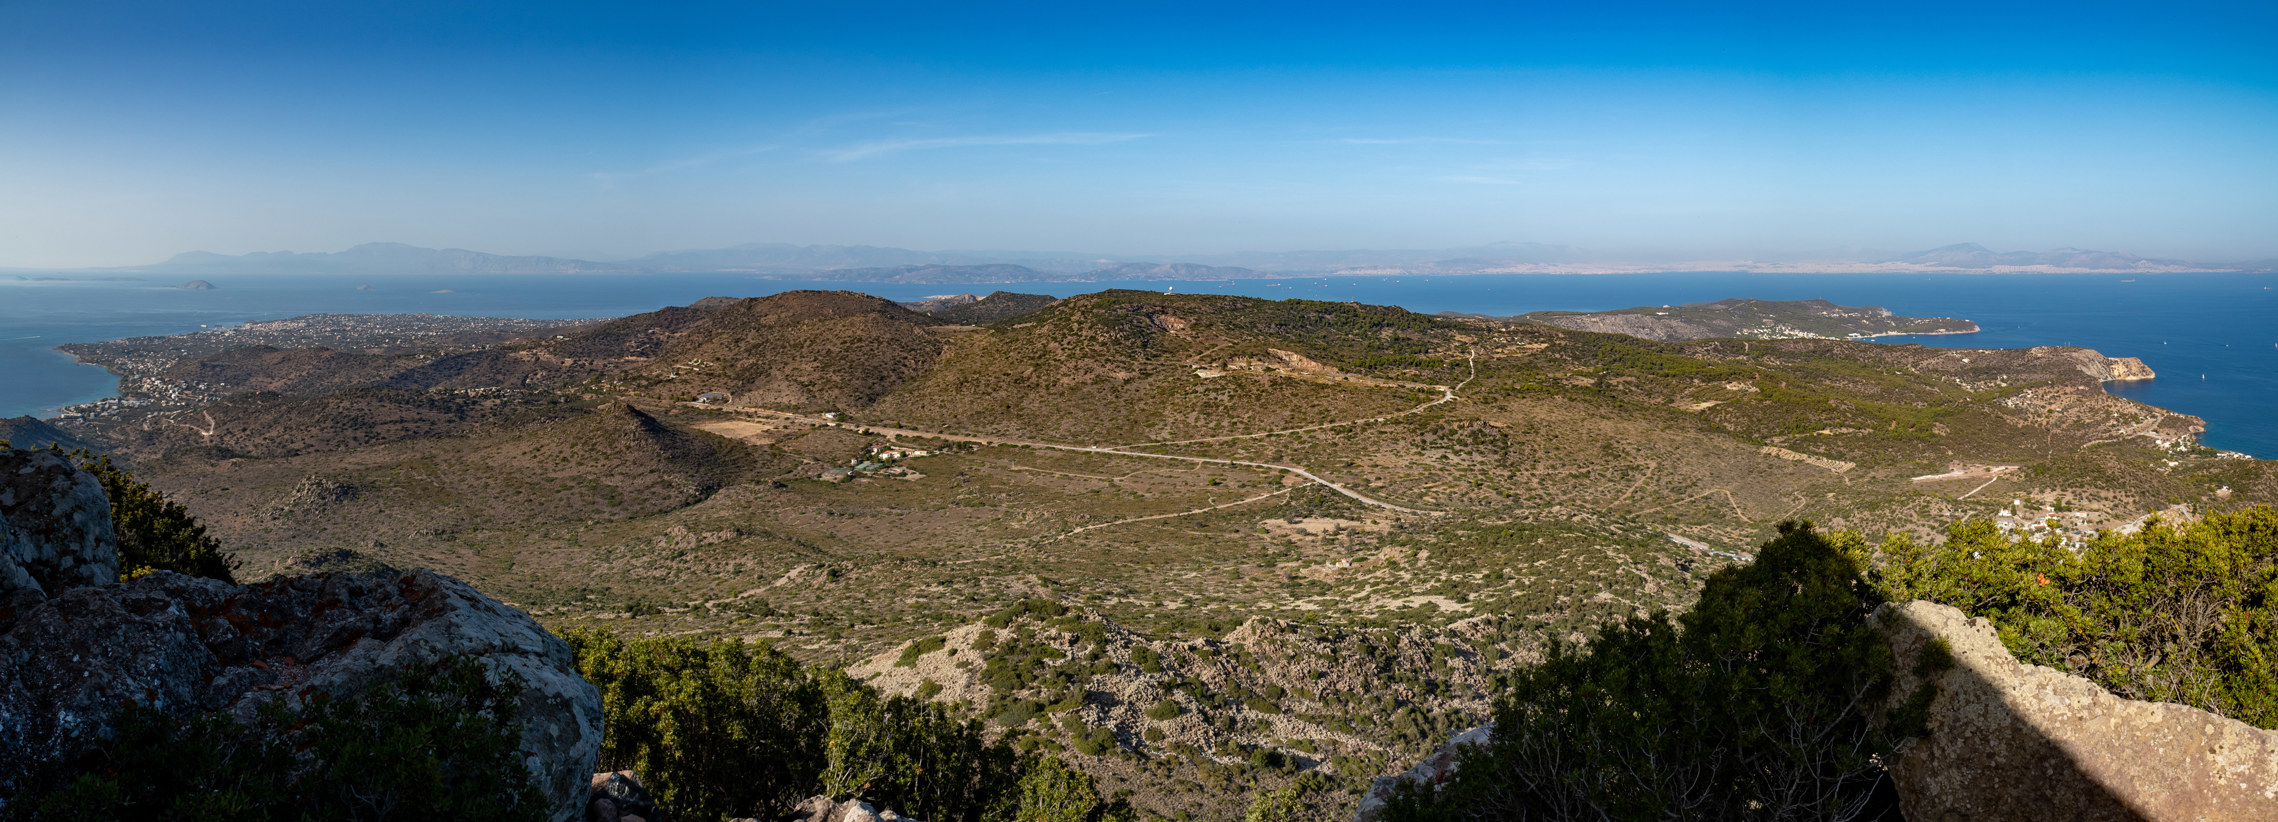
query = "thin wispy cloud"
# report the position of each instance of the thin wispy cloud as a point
(880, 148)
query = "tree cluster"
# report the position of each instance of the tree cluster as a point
(721, 729)
(1771, 699)
(440, 742)
(1754, 705)
(2172, 613)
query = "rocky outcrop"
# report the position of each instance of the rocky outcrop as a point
(75, 643)
(184, 644)
(55, 527)
(2010, 741)
(822, 809)
(2095, 364)
(1431, 772)
(619, 796)
(2124, 369)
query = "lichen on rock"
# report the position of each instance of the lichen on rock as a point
(55, 525)
(2010, 741)
(76, 644)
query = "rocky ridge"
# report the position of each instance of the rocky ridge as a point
(75, 644)
(2014, 741)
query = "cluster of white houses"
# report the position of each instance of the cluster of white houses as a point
(2020, 521)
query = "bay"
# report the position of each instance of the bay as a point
(2212, 338)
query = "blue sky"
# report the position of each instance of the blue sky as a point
(131, 131)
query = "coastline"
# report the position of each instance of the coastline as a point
(1973, 330)
(2189, 325)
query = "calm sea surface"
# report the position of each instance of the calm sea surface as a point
(2213, 338)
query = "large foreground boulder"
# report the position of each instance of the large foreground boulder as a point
(2010, 741)
(55, 527)
(184, 645)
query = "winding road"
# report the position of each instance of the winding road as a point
(1447, 393)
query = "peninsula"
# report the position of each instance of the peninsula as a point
(1753, 319)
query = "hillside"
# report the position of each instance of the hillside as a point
(1128, 366)
(805, 349)
(998, 306)
(1153, 463)
(31, 432)
(1754, 319)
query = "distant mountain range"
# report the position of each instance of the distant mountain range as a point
(378, 258)
(1974, 256)
(886, 264)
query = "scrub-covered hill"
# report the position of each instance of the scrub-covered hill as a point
(1453, 493)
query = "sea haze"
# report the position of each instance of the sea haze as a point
(2209, 336)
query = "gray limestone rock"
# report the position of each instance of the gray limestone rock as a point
(184, 644)
(624, 793)
(55, 525)
(2010, 741)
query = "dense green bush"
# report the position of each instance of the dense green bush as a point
(2170, 614)
(440, 742)
(1287, 803)
(914, 756)
(716, 729)
(1050, 791)
(912, 651)
(1752, 705)
(155, 533)
(724, 729)
(1027, 607)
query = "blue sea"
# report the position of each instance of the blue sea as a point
(2212, 338)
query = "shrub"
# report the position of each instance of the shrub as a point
(2169, 614)
(723, 729)
(1095, 742)
(1752, 705)
(1165, 710)
(444, 740)
(155, 533)
(1027, 607)
(1053, 792)
(717, 730)
(1019, 713)
(902, 753)
(1147, 660)
(912, 651)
